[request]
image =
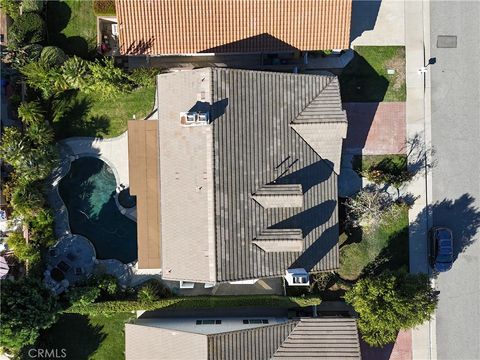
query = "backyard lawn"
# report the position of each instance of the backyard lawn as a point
(92, 116)
(365, 79)
(72, 26)
(88, 337)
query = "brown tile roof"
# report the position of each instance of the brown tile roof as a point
(220, 26)
(143, 155)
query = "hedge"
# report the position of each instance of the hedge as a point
(104, 7)
(109, 307)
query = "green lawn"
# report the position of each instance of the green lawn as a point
(386, 248)
(362, 163)
(365, 78)
(87, 337)
(92, 116)
(72, 26)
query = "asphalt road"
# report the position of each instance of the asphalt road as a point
(456, 177)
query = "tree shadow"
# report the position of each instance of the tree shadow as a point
(74, 118)
(392, 257)
(375, 353)
(364, 17)
(139, 47)
(58, 17)
(460, 215)
(420, 158)
(75, 334)
(360, 82)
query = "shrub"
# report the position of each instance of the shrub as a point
(75, 72)
(52, 56)
(108, 81)
(27, 308)
(152, 290)
(321, 281)
(391, 171)
(104, 7)
(23, 250)
(27, 200)
(11, 8)
(389, 303)
(108, 285)
(27, 29)
(370, 209)
(81, 296)
(32, 6)
(144, 77)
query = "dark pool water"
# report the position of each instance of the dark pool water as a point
(88, 192)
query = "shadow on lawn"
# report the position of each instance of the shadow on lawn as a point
(58, 17)
(360, 82)
(72, 332)
(73, 119)
(392, 257)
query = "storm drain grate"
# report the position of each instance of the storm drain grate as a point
(446, 41)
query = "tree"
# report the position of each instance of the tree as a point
(27, 308)
(75, 72)
(52, 56)
(26, 29)
(32, 6)
(389, 303)
(23, 251)
(108, 81)
(11, 8)
(371, 209)
(31, 112)
(47, 80)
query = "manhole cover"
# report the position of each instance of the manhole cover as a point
(446, 41)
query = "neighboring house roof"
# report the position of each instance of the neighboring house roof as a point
(229, 26)
(249, 183)
(312, 338)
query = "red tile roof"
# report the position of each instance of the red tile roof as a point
(158, 27)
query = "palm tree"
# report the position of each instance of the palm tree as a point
(31, 112)
(75, 72)
(40, 133)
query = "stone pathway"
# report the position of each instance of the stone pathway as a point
(375, 128)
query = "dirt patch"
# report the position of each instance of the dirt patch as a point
(397, 63)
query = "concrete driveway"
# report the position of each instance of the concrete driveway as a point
(378, 23)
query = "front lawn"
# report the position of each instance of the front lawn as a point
(364, 162)
(87, 337)
(72, 26)
(92, 116)
(365, 78)
(385, 248)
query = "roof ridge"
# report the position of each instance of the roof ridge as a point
(319, 95)
(289, 322)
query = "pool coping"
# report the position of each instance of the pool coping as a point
(62, 221)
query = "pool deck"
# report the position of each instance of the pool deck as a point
(114, 152)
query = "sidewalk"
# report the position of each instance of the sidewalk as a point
(418, 113)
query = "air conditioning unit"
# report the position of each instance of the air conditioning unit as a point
(297, 277)
(194, 118)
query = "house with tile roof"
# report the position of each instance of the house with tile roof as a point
(230, 334)
(236, 178)
(181, 27)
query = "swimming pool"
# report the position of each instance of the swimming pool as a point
(88, 192)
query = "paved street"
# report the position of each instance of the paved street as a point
(455, 84)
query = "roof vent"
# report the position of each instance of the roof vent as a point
(194, 118)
